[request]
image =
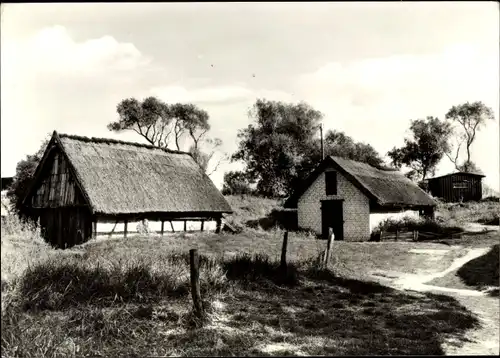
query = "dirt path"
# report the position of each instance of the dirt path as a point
(483, 340)
(417, 282)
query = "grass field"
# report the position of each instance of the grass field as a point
(115, 297)
(487, 212)
(479, 273)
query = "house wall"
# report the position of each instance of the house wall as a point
(58, 203)
(356, 209)
(377, 218)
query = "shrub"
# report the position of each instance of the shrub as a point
(65, 281)
(411, 224)
(251, 268)
(236, 183)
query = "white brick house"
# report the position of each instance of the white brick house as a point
(352, 197)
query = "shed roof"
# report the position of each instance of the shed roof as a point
(477, 174)
(385, 187)
(127, 178)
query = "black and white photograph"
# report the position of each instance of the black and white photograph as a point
(186, 179)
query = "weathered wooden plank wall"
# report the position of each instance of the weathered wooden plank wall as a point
(454, 187)
(57, 187)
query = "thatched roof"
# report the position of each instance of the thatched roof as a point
(386, 188)
(128, 178)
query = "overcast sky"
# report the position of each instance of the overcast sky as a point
(369, 67)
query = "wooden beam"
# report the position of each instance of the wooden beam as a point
(202, 224)
(329, 243)
(125, 229)
(185, 225)
(283, 267)
(194, 265)
(113, 230)
(218, 225)
(94, 229)
(172, 226)
(162, 227)
(158, 216)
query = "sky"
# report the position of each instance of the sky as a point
(370, 68)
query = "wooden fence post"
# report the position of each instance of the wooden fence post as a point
(331, 237)
(94, 229)
(218, 226)
(125, 229)
(113, 230)
(185, 225)
(194, 262)
(202, 225)
(162, 227)
(172, 226)
(283, 253)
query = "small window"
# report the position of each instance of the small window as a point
(331, 183)
(459, 185)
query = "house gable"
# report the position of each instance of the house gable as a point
(356, 206)
(55, 183)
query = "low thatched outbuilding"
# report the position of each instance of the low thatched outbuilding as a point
(81, 181)
(353, 197)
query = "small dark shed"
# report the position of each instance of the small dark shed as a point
(81, 181)
(455, 187)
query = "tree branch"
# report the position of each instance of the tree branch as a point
(225, 157)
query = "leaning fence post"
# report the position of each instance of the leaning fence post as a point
(283, 253)
(331, 237)
(194, 262)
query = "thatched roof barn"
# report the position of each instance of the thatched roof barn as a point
(343, 194)
(80, 181)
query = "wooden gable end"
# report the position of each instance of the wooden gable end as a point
(56, 186)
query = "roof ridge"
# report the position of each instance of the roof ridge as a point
(382, 168)
(116, 141)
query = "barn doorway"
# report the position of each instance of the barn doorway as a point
(66, 226)
(332, 216)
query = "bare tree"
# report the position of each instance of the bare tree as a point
(469, 118)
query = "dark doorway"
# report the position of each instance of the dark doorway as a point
(332, 216)
(67, 226)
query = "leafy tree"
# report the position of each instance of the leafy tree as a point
(273, 147)
(341, 145)
(236, 183)
(150, 118)
(423, 151)
(468, 167)
(163, 125)
(25, 171)
(467, 119)
(283, 146)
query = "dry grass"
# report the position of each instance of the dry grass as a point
(486, 212)
(130, 297)
(249, 208)
(22, 246)
(480, 273)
